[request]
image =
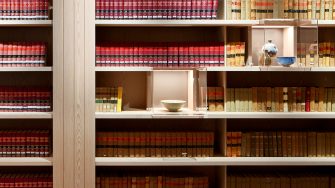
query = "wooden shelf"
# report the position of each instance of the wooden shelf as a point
(270, 115)
(25, 69)
(324, 23)
(25, 115)
(174, 23)
(222, 69)
(25, 161)
(25, 23)
(215, 161)
(215, 115)
(124, 115)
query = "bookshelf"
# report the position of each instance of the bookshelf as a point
(50, 75)
(248, 31)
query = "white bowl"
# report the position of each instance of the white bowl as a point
(173, 105)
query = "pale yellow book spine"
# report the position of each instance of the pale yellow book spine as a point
(254, 99)
(233, 54)
(321, 99)
(243, 9)
(318, 9)
(237, 99)
(332, 54)
(253, 9)
(286, 9)
(233, 9)
(242, 55)
(312, 99)
(250, 99)
(303, 54)
(248, 9)
(119, 99)
(309, 9)
(322, 10)
(333, 100)
(327, 10)
(229, 9)
(270, 4)
(276, 8)
(329, 99)
(296, 9)
(305, 13)
(233, 103)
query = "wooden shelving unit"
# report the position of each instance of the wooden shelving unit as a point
(186, 30)
(51, 32)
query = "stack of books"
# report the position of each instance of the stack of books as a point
(170, 54)
(25, 143)
(215, 98)
(108, 99)
(22, 54)
(25, 99)
(288, 9)
(156, 9)
(280, 99)
(25, 180)
(155, 144)
(106, 181)
(24, 9)
(280, 144)
(280, 180)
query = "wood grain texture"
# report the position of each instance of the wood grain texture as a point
(69, 111)
(89, 93)
(58, 97)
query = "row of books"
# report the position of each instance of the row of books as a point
(280, 180)
(154, 144)
(26, 180)
(156, 9)
(280, 99)
(160, 54)
(108, 99)
(215, 98)
(235, 54)
(25, 99)
(23, 54)
(287, 9)
(24, 9)
(103, 181)
(326, 55)
(25, 143)
(280, 144)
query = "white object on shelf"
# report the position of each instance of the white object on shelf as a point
(25, 161)
(25, 115)
(215, 161)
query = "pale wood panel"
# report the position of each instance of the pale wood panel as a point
(79, 93)
(69, 111)
(89, 93)
(58, 95)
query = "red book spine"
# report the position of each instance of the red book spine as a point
(121, 9)
(111, 54)
(166, 9)
(116, 9)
